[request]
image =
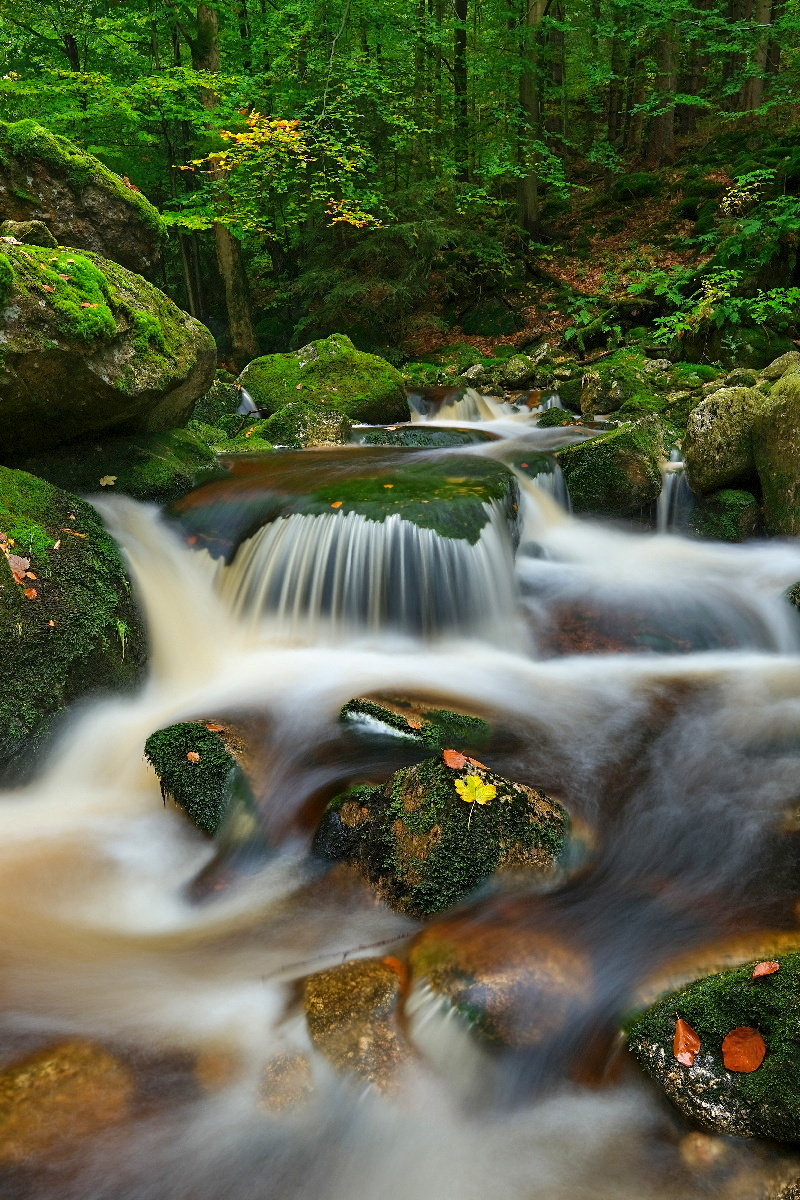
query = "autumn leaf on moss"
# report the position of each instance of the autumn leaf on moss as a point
(474, 791)
(686, 1044)
(743, 1050)
(453, 759)
(108, 480)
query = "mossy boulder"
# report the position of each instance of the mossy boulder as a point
(776, 453)
(782, 365)
(147, 466)
(436, 728)
(424, 845)
(764, 1102)
(617, 473)
(45, 177)
(30, 233)
(86, 347)
(198, 767)
(729, 515)
(332, 374)
(217, 406)
(298, 424)
(247, 437)
(718, 444)
(69, 628)
(421, 438)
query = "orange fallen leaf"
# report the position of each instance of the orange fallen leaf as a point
(337, 504)
(743, 1050)
(47, 287)
(31, 593)
(453, 759)
(413, 723)
(215, 728)
(388, 485)
(29, 575)
(765, 968)
(193, 756)
(474, 763)
(399, 968)
(18, 566)
(74, 532)
(51, 624)
(686, 1043)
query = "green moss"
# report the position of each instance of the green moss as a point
(329, 374)
(727, 516)
(425, 848)
(438, 728)
(770, 1095)
(64, 642)
(298, 424)
(28, 140)
(616, 473)
(6, 280)
(636, 186)
(202, 788)
(552, 418)
(424, 439)
(718, 446)
(219, 404)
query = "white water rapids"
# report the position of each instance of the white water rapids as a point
(99, 938)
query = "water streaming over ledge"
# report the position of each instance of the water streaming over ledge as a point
(681, 764)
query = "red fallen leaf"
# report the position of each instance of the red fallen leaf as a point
(193, 756)
(31, 593)
(765, 968)
(453, 759)
(686, 1043)
(743, 1050)
(413, 723)
(47, 287)
(215, 728)
(191, 541)
(399, 968)
(473, 762)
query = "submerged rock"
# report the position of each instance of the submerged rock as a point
(286, 1083)
(727, 516)
(68, 623)
(421, 438)
(437, 728)
(434, 831)
(776, 453)
(88, 347)
(46, 178)
(718, 445)
(58, 1095)
(147, 466)
(352, 1017)
(330, 374)
(748, 1098)
(616, 473)
(197, 765)
(299, 424)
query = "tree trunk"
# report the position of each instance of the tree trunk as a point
(460, 103)
(752, 90)
(529, 198)
(205, 57)
(662, 133)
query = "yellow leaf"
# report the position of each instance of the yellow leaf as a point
(474, 791)
(108, 481)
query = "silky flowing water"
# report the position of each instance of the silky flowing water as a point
(677, 753)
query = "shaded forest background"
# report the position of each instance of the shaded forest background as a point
(420, 173)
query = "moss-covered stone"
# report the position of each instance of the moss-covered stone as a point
(218, 406)
(247, 437)
(776, 455)
(422, 438)
(332, 374)
(552, 418)
(436, 728)
(150, 466)
(726, 516)
(83, 204)
(88, 347)
(298, 424)
(424, 848)
(718, 444)
(31, 233)
(616, 473)
(71, 627)
(204, 786)
(761, 1103)
(782, 365)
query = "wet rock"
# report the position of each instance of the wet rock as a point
(434, 831)
(298, 424)
(776, 452)
(424, 438)
(69, 626)
(30, 233)
(51, 1099)
(718, 445)
(616, 473)
(47, 179)
(329, 374)
(199, 768)
(782, 366)
(513, 984)
(88, 347)
(148, 466)
(434, 727)
(741, 377)
(286, 1083)
(519, 370)
(764, 1102)
(727, 516)
(352, 1017)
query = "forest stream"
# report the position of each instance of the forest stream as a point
(647, 682)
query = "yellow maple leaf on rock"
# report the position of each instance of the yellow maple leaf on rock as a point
(474, 791)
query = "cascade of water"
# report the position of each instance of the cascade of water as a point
(555, 485)
(331, 574)
(247, 404)
(553, 400)
(676, 499)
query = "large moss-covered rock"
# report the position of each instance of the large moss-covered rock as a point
(298, 424)
(727, 516)
(782, 365)
(424, 840)
(776, 453)
(617, 473)
(329, 373)
(69, 627)
(86, 346)
(718, 445)
(197, 764)
(44, 177)
(147, 466)
(764, 1102)
(436, 728)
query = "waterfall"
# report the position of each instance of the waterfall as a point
(466, 407)
(247, 404)
(339, 572)
(676, 500)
